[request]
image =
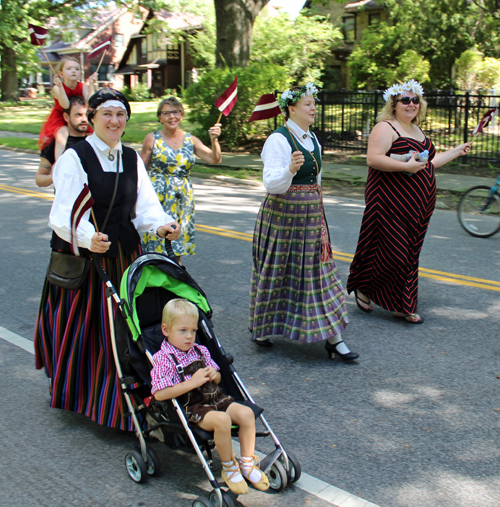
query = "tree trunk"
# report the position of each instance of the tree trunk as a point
(9, 86)
(234, 22)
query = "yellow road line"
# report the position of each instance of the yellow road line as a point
(443, 276)
(30, 193)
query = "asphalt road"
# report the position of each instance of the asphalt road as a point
(414, 423)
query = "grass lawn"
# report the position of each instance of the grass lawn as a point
(29, 118)
(19, 142)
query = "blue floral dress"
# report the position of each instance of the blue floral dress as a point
(169, 173)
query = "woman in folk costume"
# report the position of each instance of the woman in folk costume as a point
(72, 337)
(295, 289)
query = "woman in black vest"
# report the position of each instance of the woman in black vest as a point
(72, 339)
(295, 289)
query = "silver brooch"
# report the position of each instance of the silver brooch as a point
(111, 157)
(304, 136)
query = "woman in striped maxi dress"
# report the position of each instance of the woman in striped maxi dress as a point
(400, 196)
(295, 288)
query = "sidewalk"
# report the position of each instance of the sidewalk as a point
(335, 172)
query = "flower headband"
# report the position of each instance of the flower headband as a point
(400, 89)
(290, 97)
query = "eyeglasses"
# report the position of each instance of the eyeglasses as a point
(175, 112)
(407, 100)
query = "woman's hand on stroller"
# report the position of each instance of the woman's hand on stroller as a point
(99, 243)
(169, 231)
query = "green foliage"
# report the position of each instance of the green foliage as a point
(301, 45)
(140, 93)
(383, 58)
(253, 81)
(474, 71)
(424, 37)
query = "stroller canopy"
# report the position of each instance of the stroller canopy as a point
(156, 270)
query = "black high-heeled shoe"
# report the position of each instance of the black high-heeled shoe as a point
(331, 349)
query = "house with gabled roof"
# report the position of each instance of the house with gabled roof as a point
(156, 59)
(80, 37)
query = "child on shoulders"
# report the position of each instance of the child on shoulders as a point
(66, 84)
(196, 386)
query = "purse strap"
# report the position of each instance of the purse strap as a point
(114, 193)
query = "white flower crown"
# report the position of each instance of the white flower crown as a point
(290, 97)
(400, 89)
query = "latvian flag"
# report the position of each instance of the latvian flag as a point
(227, 100)
(484, 121)
(37, 34)
(102, 46)
(266, 108)
(82, 204)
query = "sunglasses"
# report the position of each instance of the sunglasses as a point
(407, 100)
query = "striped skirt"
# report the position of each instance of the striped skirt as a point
(293, 292)
(73, 344)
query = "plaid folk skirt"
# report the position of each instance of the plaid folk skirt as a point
(294, 293)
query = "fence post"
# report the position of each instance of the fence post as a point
(276, 93)
(322, 100)
(375, 108)
(466, 116)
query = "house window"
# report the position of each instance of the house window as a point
(118, 40)
(374, 19)
(349, 23)
(105, 72)
(156, 38)
(144, 47)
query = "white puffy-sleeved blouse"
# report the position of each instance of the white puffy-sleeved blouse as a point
(277, 155)
(69, 178)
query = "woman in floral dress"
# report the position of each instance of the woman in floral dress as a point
(169, 155)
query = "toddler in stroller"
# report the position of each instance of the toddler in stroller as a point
(186, 371)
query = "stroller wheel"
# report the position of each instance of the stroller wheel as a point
(227, 501)
(136, 468)
(277, 477)
(201, 501)
(153, 464)
(294, 469)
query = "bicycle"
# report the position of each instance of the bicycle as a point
(479, 210)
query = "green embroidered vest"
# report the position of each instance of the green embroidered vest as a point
(307, 174)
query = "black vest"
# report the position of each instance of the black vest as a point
(307, 174)
(101, 184)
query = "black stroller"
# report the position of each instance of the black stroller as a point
(147, 285)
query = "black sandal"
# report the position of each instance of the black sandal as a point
(358, 299)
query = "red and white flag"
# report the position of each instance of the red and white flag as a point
(37, 34)
(266, 108)
(82, 204)
(484, 121)
(227, 100)
(102, 46)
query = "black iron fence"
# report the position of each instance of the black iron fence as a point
(344, 121)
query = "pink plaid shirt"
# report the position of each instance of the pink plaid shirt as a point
(164, 373)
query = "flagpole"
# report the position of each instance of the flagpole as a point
(290, 132)
(95, 221)
(220, 116)
(100, 61)
(48, 61)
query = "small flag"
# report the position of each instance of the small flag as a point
(484, 121)
(266, 108)
(37, 34)
(82, 204)
(227, 100)
(102, 46)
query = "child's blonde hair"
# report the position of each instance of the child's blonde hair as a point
(60, 63)
(176, 308)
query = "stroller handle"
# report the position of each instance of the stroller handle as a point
(168, 247)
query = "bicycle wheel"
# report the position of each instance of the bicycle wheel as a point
(479, 211)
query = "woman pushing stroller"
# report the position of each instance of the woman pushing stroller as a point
(185, 370)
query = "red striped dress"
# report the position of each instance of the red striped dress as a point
(395, 221)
